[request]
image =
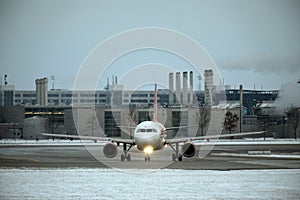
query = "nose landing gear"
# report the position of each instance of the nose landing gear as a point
(147, 157)
(148, 150)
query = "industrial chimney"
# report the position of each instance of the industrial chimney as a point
(178, 88)
(184, 88)
(171, 88)
(42, 91)
(191, 87)
(209, 83)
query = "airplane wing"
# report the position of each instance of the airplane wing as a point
(117, 140)
(206, 137)
(122, 140)
(127, 127)
(178, 127)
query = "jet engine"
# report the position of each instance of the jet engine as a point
(110, 150)
(188, 149)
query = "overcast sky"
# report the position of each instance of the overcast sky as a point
(251, 42)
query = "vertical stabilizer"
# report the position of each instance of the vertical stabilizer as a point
(155, 104)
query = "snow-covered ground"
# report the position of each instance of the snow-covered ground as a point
(279, 156)
(81, 183)
(248, 141)
(14, 142)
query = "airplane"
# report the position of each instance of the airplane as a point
(150, 136)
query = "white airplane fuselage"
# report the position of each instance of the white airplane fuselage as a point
(149, 134)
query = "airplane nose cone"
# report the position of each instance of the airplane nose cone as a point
(143, 140)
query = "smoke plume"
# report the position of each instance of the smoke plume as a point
(264, 63)
(289, 96)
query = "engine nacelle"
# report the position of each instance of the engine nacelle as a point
(110, 150)
(188, 149)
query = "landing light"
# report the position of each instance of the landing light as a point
(148, 150)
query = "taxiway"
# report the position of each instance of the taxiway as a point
(221, 157)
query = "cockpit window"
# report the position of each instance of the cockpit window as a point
(147, 130)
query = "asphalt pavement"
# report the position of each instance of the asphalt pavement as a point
(220, 157)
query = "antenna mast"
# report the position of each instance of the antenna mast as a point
(199, 84)
(155, 104)
(52, 81)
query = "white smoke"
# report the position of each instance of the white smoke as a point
(289, 96)
(265, 63)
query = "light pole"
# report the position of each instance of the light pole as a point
(241, 108)
(283, 120)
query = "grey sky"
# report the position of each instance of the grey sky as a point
(252, 42)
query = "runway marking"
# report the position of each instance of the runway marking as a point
(275, 156)
(272, 163)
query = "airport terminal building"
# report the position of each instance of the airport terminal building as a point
(114, 104)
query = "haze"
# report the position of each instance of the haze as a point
(254, 43)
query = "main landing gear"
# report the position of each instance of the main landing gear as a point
(176, 155)
(126, 155)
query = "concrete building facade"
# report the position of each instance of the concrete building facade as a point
(115, 106)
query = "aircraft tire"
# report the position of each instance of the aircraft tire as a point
(122, 158)
(147, 158)
(128, 157)
(173, 157)
(180, 157)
